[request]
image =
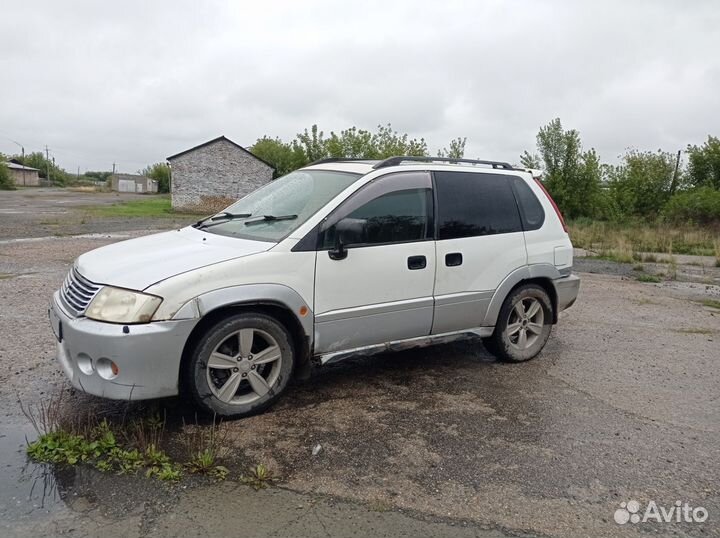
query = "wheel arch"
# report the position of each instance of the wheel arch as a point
(539, 274)
(284, 307)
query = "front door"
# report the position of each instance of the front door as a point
(375, 268)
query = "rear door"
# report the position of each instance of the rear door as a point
(480, 242)
(380, 290)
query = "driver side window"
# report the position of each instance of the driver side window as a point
(395, 209)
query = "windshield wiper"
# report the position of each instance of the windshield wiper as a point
(225, 216)
(230, 216)
(265, 218)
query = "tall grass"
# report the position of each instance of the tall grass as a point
(633, 237)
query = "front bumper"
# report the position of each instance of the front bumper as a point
(567, 291)
(147, 356)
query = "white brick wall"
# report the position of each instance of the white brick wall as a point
(214, 176)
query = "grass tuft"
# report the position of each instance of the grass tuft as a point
(258, 477)
(711, 303)
(649, 278)
(123, 448)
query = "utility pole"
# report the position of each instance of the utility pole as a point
(47, 160)
(22, 148)
(78, 174)
(673, 184)
(113, 168)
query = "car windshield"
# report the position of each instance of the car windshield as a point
(273, 211)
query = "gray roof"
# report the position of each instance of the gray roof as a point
(21, 167)
(218, 139)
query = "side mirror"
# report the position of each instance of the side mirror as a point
(347, 232)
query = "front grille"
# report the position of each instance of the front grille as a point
(77, 292)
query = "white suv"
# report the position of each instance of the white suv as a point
(338, 258)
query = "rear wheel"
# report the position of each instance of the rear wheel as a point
(241, 366)
(523, 326)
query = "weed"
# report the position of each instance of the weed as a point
(259, 477)
(66, 438)
(204, 447)
(637, 236)
(648, 278)
(168, 472)
(639, 267)
(711, 303)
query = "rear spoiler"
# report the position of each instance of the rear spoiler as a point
(535, 173)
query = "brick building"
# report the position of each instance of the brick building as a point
(215, 174)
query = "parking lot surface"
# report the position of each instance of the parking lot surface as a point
(623, 404)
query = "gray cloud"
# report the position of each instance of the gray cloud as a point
(133, 82)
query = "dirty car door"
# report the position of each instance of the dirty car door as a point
(375, 266)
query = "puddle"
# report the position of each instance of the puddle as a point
(26, 488)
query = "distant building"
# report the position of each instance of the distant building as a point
(132, 183)
(215, 174)
(23, 175)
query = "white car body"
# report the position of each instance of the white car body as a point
(337, 307)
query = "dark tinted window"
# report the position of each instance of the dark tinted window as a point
(530, 209)
(471, 204)
(395, 217)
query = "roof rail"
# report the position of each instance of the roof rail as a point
(395, 161)
(338, 160)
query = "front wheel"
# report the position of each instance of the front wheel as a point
(523, 326)
(241, 366)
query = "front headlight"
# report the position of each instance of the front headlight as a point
(117, 305)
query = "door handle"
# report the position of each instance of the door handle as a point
(416, 262)
(453, 259)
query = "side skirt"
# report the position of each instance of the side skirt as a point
(400, 345)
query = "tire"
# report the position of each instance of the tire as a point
(523, 325)
(241, 366)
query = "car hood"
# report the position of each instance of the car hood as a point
(139, 263)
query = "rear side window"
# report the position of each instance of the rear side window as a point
(472, 204)
(531, 210)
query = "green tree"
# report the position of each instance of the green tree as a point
(640, 185)
(6, 181)
(388, 143)
(313, 144)
(704, 164)
(530, 160)
(352, 143)
(456, 151)
(571, 176)
(284, 157)
(159, 172)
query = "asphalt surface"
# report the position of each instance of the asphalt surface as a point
(624, 403)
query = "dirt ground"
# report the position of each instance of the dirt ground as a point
(624, 403)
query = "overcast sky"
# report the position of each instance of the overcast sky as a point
(133, 82)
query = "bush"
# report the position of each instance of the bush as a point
(6, 181)
(701, 206)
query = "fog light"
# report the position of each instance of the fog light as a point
(106, 368)
(84, 362)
